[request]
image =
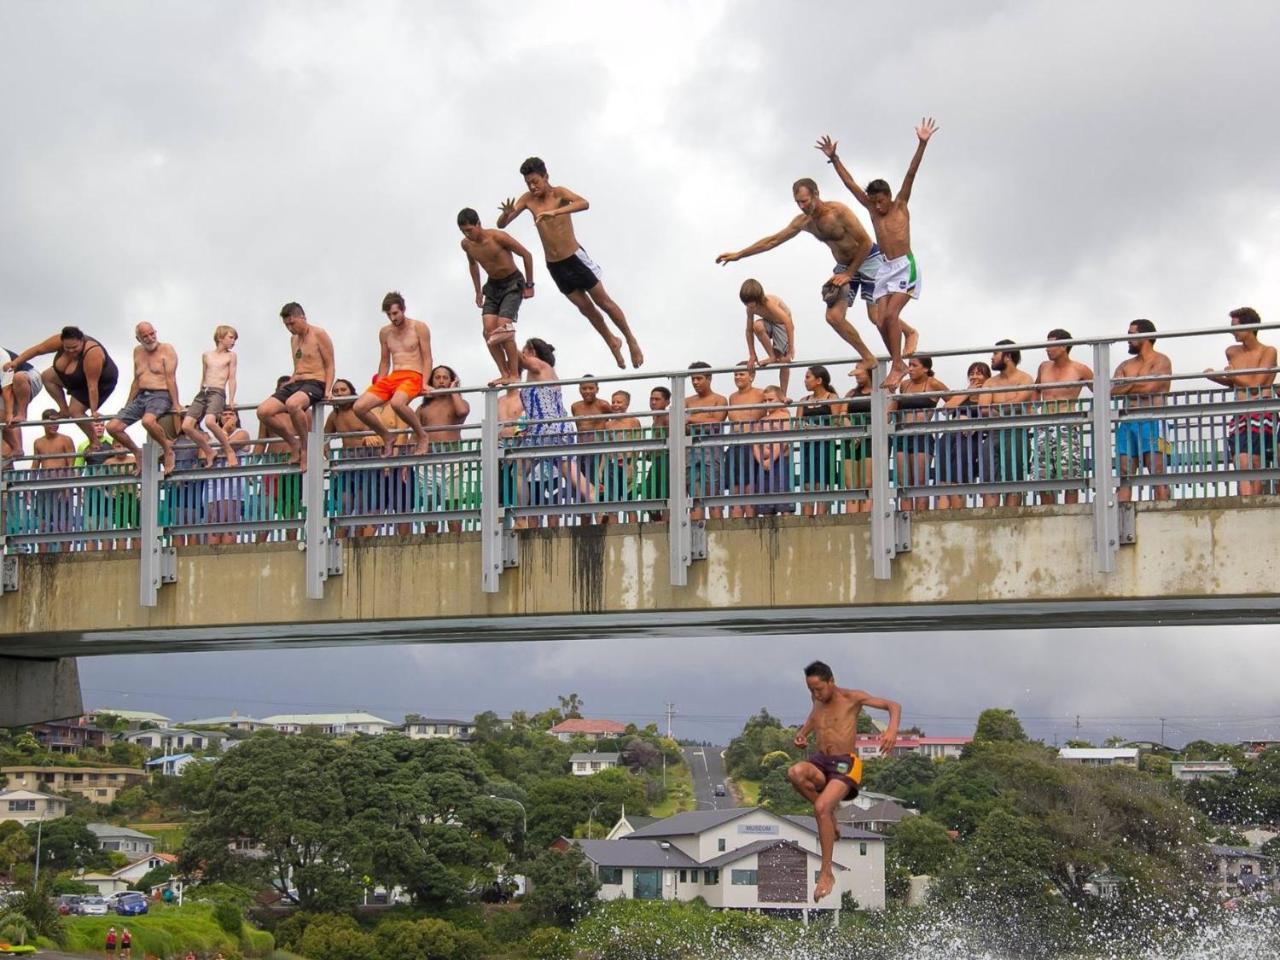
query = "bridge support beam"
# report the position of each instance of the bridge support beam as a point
(33, 691)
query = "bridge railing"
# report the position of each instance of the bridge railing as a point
(861, 451)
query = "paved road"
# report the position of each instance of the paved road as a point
(707, 766)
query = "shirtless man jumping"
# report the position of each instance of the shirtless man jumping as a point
(834, 773)
(406, 349)
(152, 395)
(898, 279)
(576, 274)
(769, 321)
(285, 412)
(1251, 437)
(1059, 450)
(500, 298)
(857, 259)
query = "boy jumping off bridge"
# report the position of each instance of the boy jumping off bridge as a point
(834, 773)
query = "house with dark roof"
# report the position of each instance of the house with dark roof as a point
(628, 824)
(878, 818)
(746, 858)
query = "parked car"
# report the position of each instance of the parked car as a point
(131, 904)
(92, 907)
(113, 898)
(67, 903)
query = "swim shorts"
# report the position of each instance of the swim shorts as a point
(1136, 438)
(777, 336)
(578, 272)
(155, 402)
(845, 768)
(1059, 453)
(209, 401)
(313, 389)
(1253, 438)
(899, 275)
(863, 282)
(397, 381)
(502, 297)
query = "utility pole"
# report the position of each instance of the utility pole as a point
(671, 712)
(1162, 731)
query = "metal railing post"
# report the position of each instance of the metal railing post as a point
(679, 532)
(1106, 512)
(149, 546)
(490, 497)
(883, 533)
(316, 524)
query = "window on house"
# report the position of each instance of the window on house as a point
(684, 878)
(862, 849)
(19, 806)
(711, 877)
(609, 875)
(720, 844)
(101, 793)
(742, 878)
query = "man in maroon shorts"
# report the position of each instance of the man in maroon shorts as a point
(834, 773)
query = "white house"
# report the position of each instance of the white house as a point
(1252, 748)
(878, 818)
(866, 799)
(173, 764)
(124, 840)
(29, 806)
(335, 724)
(1236, 870)
(1201, 769)
(173, 740)
(743, 858)
(935, 748)
(585, 764)
(435, 728)
(1100, 756)
(139, 868)
(232, 722)
(134, 718)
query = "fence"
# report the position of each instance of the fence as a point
(864, 451)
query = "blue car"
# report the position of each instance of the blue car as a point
(132, 906)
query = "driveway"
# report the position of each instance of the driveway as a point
(707, 766)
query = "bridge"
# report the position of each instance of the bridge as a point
(503, 535)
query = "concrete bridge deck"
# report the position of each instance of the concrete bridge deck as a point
(1211, 561)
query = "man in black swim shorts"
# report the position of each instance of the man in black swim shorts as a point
(834, 773)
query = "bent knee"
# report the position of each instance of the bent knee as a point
(798, 772)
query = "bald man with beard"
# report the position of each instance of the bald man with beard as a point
(152, 395)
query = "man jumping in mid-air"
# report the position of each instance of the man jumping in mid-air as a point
(898, 280)
(834, 773)
(857, 258)
(576, 274)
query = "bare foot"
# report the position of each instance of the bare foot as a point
(420, 447)
(615, 346)
(895, 377)
(823, 887)
(166, 462)
(503, 381)
(637, 355)
(232, 459)
(208, 458)
(389, 448)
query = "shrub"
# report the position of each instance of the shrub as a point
(333, 937)
(228, 916)
(548, 943)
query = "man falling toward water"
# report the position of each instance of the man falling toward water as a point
(576, 274)
(834, 773)
(500, 298)
(898, 279)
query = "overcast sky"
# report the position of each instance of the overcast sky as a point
(197, 164)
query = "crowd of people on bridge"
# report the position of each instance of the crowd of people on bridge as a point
(414, 406)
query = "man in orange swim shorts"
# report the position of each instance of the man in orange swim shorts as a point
(406, 350)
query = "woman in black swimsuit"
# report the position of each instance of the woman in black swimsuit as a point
(82, 369)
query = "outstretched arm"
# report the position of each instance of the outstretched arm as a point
(926, 130)
(510, 209)
(51, 345)
(828, 148)
(768, 243)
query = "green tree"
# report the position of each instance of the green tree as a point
(571, 706)
(334, 937)
(922, 845)
(778, 795)
(557, 805)
(66, 844)
(998, 725)
(562, 886)
(908, 776)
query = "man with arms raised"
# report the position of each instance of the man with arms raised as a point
(1251, 437)
(500, 298)
(898, 279)
(285, 412)
(152, 395)
(406, 349)
(576, 274)
(1059, 453)
(834, 773)
(857, 258)
(1141, 441)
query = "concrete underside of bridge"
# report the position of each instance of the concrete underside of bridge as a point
(1193, 562)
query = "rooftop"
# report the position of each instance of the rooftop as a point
(141, 716)
(595, 758)
(221, 721)
(757, 846)
(885, 811)
(693, 822)
(1098, 753)
(323, 719)
(111, 830)
(634, 853)
(589, 725)
(29, 795)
